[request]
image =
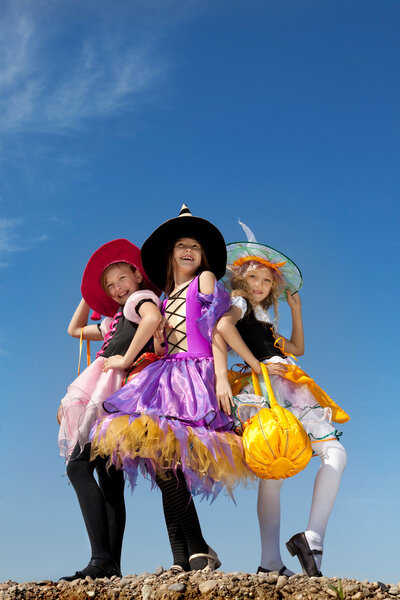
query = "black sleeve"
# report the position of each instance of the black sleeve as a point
(139, 304)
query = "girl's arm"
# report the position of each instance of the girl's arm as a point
(226, 328)
(150, 320)
(223, 390)
(79, 320)
(295, 345)
(207, 282)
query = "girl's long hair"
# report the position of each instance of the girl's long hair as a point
(240, 287)
(170, 280)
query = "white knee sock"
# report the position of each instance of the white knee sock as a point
(269, 517)
(333, 457)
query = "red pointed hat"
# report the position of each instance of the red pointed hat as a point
(154, 249)
(120, 250)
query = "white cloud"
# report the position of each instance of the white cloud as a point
(12, 238)
(8, 235)
(63, 65)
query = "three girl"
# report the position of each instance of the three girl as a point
(259, 277)
(113, 284)
(167, 420)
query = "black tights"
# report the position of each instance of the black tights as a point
(102, 504)
(182, 522)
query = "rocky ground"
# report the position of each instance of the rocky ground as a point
(164, 585)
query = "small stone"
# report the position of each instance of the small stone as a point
(374, 585)
(357, 596)
(123, 582)
(207, 586)
(177, 587)
(394, 589)
(90, 593)
(331, 592)
(299, 597)
(158, 571)
(383, 586)
(146, 592)
(269, 577)
(350, 588)
(282, 581)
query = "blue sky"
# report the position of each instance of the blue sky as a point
(284, 114)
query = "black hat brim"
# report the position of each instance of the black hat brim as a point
(156, 248)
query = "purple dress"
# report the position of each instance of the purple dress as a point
(167, 417)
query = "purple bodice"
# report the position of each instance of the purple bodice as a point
(202, 312)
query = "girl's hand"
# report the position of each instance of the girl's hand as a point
(275, 369)
(293, 300)
(256, 367)
(114, 362)
(159, 332)
(223, 391)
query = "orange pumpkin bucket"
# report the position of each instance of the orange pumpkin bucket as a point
(276, 445)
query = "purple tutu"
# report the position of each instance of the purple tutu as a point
(167, 417)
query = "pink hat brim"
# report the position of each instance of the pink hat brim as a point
(119, 250)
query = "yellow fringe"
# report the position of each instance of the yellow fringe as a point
(143, 438)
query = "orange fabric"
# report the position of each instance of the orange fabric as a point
(244, 259)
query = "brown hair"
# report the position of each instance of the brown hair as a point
(169, 279)
(240, 287)
(118, 264)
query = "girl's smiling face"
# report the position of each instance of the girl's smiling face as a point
(119, 282)
(260, 282)
(187, 254)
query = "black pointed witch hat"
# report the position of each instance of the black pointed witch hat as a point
(156, 248)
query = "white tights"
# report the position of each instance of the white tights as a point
(326, 485)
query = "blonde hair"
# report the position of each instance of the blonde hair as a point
(240, 287)
(117, 264)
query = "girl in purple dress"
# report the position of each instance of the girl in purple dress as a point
(167, 421)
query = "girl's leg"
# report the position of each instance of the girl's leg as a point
(182, 522)
(81, 474)
(333, 461)
(269, 518)
(112, 485)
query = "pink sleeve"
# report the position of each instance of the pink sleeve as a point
(130, 312)
(105, 325)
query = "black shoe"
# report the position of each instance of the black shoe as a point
(298, 546)
(96, 569)
(262, 570)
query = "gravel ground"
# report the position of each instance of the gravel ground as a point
(164, 585)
